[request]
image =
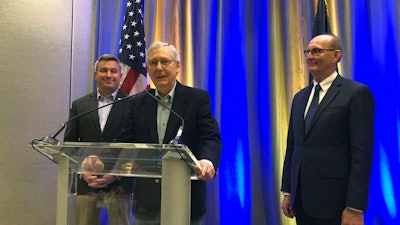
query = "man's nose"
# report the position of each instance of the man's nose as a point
(159, 65)
(109, 73)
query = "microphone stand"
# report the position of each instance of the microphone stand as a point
(51, 139)
(177, 138)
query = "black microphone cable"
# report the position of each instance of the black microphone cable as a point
(174, 142)
(52, 137)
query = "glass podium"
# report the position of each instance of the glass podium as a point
(174, 164)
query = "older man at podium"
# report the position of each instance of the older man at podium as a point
(149, 121)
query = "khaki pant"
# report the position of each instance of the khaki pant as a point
(118, 207)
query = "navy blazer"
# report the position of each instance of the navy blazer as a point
(87, 129)
(334, 159)
(200, 134)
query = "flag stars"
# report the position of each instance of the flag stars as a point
(132, 42)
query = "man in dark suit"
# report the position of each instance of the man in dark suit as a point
(102, 125)
(328, 160)
(149, 122)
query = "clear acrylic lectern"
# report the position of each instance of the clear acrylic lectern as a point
(174, 163)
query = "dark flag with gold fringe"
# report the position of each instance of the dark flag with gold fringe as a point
(321, 23)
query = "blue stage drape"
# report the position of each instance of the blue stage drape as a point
(239, 80)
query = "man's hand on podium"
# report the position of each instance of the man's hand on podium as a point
(206, 172)
(92, 166)
(98, 182)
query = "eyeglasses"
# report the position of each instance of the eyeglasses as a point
(164, 62)
(316, 51)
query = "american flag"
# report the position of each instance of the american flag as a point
(132, 50)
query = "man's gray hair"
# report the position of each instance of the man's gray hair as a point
(160, 44)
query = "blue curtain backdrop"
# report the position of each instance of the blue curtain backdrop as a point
(246, 65)
(376, 63)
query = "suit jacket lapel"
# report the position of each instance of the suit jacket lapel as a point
(116, 112)
(179, 106)
(328, 98)
(304, 105)
(149, 113)
(92, 104)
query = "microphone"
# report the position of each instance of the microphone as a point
(51, 139)
(177, 138)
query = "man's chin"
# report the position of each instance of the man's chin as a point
(312, 69)
(161, 82)
(110, 88)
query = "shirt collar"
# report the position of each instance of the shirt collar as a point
(171, 93)
(326, 83)
(114, 95)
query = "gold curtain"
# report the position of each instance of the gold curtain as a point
(289, 28)
(170, 21)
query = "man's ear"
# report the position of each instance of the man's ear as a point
(178, 68)
(338, 55)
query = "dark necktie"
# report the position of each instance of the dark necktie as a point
(313, 107)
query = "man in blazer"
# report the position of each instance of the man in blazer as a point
(149, 122)
(102, 125)
(327, 167)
